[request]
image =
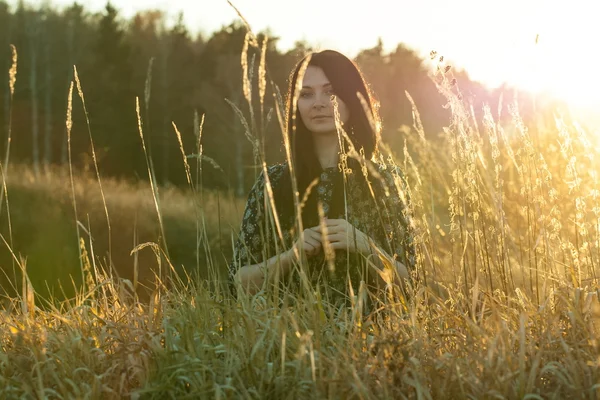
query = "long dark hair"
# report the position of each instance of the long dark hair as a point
(347, 82)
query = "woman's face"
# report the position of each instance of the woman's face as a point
(315, 103)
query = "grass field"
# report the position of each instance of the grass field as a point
(506, 224)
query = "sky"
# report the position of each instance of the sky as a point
(538, 45)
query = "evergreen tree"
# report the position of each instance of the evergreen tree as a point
(188, 75)
(110, 97)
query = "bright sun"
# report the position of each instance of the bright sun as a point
(542, 47)
(567, 69)
(561, 58)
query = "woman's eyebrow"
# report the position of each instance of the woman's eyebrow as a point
(325, 85)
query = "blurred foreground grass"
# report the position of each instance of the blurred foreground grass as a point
(520, 318)
(506, 223)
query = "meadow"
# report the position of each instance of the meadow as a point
(112, 287)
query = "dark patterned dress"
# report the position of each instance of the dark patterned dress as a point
(382, 217)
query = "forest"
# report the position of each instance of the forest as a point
(182, 76)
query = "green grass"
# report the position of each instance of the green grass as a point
(44, 229)
(506, 224)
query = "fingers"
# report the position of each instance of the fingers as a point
(310, 250)
(333, 225)
(335, 237)
(339, 246)
(310, 247)
(312, 242)
(336, 234)
(312, 236)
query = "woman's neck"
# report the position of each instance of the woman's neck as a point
(327, 149)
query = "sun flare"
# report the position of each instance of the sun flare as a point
(568, 75)
(551, 53)
(546, 48)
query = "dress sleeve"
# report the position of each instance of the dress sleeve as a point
(246, 249)
(254, 238)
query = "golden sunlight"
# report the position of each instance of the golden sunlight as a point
(554, 55)
(564, 66)
(546, 48)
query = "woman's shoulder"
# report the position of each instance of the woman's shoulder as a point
(274, 172)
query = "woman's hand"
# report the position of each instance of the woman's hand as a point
(310, 241)
(342, 235)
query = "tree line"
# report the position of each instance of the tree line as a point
(178, 78)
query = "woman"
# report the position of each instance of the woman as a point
(362, 228)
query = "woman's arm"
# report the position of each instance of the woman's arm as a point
(252, 277)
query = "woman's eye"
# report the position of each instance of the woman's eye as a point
(305, 95)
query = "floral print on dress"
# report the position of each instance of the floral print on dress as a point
(385, 222)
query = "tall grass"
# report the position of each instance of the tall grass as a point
(506, 232)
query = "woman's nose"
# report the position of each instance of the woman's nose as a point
(322, 100)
